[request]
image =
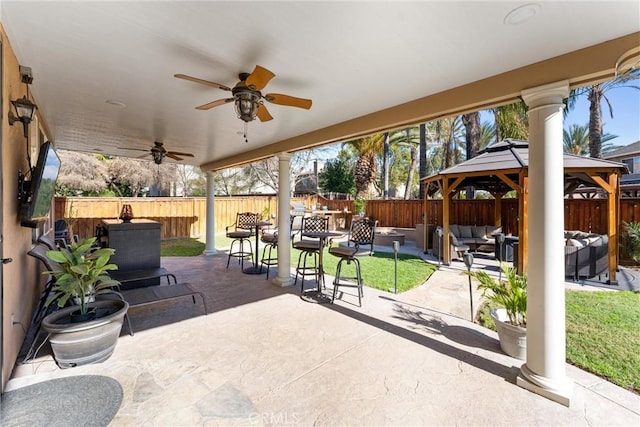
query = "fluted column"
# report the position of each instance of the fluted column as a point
(544, 372)
(210, 243)
(284, 202)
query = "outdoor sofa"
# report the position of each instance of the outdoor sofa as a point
(464, 238)
(586, 254)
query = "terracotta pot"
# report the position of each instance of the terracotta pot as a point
(513, 339)
(82, 343)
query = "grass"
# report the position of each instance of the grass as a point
(603, 334)
(181, 247)
(378, 270)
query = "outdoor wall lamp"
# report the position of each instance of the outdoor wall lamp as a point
(24, 113)
(468, 261)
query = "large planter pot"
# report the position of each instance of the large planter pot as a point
(82, 343)
(513, 339)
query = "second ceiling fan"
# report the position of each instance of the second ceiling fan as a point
(247, 97)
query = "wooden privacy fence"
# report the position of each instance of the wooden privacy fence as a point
(178, 216)
(186, 216)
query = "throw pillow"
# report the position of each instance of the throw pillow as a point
(454, 229)
(478, 231)
(465, 231)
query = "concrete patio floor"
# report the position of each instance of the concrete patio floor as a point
(262, 356)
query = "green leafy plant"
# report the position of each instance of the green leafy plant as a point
(631, 240)
(359, 205)
(510, 293)
(83, 273)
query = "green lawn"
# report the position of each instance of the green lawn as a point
(603, 334)
(378, 271)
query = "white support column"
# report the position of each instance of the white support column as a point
(210, 248)
(284, 203)
(544, 372)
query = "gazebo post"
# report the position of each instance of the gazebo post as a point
(523, 222)
(613, 221)
(446, 204)
(497, 208)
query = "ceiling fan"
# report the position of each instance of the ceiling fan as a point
(158, 152)
(247, 96)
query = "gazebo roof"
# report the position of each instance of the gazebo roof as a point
(509, 158)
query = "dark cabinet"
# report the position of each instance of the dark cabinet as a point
(137, 243)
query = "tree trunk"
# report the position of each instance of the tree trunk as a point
(412, 169)
(423, 158)
(385, 167)
(595, 122)
(471, 123)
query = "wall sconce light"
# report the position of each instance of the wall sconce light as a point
(24, 112)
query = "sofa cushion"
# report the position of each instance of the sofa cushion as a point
(465, 231)
(454, 229)
(453, 239)
(479, 231)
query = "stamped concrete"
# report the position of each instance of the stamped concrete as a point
(262, 356)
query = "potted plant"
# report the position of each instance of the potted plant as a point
(631, 240)
(359, 206)
(87, 331)
(510, 294)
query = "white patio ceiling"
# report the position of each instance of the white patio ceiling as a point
(351, 58)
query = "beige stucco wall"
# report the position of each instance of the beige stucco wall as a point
(22, 282)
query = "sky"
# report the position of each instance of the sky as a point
(625, 123)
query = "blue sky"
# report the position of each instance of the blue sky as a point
(625, 103)
(625, 122)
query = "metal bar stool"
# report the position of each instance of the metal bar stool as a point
(241, 234)
(309, 248)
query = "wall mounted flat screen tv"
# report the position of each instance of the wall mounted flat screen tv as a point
(41, 187)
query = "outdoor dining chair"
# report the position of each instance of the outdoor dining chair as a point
(309, 247)
(361, 234)
(241, 232)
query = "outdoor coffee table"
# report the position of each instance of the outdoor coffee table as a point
(256, 269)
(316, 295)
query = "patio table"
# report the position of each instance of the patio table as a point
(256, 269)
(316, 295)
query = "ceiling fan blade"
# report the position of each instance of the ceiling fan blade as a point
(263, 113)
(291, 101)
(179, 153)
(133, 149)
(173, 156)
(215, 103)
(204, 82)
(143, 156)
(259, 78)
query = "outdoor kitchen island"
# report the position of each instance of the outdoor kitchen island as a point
(137, 246)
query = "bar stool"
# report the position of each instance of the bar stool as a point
(241, 233)
(361, 233)
(309, 247)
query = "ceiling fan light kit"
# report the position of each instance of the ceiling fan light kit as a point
(247, 98)
(158, 153)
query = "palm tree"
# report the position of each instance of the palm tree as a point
(596, 94)
(366, 168)
(471, 123)
(511, 121)
(576, 140)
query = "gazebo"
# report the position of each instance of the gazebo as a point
(503, 167)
